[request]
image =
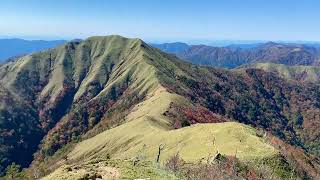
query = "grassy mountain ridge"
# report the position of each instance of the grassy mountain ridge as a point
(114, 89)
(51, 81)
(300, 73)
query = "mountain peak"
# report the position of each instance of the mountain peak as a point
(269, 44)
(114, 38)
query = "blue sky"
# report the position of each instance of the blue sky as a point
(162, 20)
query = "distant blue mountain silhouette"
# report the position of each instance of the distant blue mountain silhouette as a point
(16, 47)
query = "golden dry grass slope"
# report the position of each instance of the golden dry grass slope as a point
(147, 128)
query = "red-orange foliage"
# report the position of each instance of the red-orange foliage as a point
(304, 163)
(201, 114)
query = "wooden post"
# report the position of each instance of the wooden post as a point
(161, 147)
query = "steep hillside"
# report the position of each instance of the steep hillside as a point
(289, 109)
(299, 73)
(120, 96)
(66, 91)
(16, 47)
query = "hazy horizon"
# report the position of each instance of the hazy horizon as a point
(249, 20)
(213, 42)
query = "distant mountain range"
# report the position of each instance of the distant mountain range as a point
(236, 55)
(172, 47)
(17, 47)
